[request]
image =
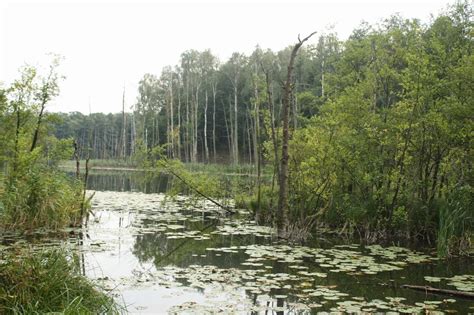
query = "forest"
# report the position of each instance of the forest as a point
(366, 140)
(381, 125)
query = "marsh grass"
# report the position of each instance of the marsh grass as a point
(48, 281)
(43, 197)
(456, 224)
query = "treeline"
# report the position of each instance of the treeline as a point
(381, 125)
(205, 110)
(98, 135)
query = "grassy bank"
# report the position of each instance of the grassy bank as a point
(48, 282)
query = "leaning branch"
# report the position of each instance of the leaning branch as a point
(431, 290)
(172, 172)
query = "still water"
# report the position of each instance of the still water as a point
(158, 255)
(171, 256)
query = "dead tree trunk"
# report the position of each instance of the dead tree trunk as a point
(214, 92)
(232, 131)
(236, 141)
(258, 150)
(255, 124)
(179, 120)
(171, 117)
(431, 290)
(187, 150)
(206, 148)
(195, 133)
(124, 126)
(282, 214)
(133, 133)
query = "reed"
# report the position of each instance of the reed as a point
(49, 281)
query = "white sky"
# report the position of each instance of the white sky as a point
(109, 44)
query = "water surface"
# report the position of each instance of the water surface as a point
(176, 256)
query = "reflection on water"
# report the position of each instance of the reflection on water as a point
(182, 259)
(172, 257)
(128, 181)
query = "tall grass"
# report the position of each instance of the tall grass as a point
(456, 223)
(42, 197)
(47, 282)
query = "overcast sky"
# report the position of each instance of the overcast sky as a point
(110, 44)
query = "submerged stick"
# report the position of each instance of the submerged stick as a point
(427, 289)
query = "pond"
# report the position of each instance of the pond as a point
(180, 257)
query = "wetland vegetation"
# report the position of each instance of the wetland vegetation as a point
(325, 177)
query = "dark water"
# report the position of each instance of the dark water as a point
(176, 257)
(145, 262)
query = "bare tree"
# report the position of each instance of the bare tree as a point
(171, 115)
(206, 148)
(282, 215)
(214, 92)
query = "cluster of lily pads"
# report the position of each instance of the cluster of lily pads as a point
(391, 305)
(265, 276)
(337, 259)
(243, 228)
(154, 213)
(236, 290)
(233, 286)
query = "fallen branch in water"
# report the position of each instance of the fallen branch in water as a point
(431, 290)
(172, 172)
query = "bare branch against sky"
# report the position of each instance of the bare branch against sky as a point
(107, 43)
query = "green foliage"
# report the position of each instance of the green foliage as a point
(184, 181)
(386, 150)
(207, 183)
(48, 281)
(264, 212)
(33, 193)
(382, 123)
